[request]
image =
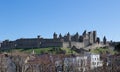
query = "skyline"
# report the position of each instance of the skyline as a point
(27, 19)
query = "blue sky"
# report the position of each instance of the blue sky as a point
(29, 18)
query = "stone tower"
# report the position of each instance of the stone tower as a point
(94, 36)
(81, 39)
(68, 37)
(84, 33)
(54, 36)
(60, 36)
(90, 35)
(104, 40)
(98, 40)
(38, 36)
(77, 37)
(38, 41)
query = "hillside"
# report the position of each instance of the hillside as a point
(58, 50)
(103, 50)
(48, 50)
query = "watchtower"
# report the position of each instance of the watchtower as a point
(54, 36)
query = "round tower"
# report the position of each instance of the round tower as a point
(60, 36)
(104, 40)
(54, 36)
(68, 37)
(94, 36)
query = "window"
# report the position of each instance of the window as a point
(95, 58)
(93, 63)
(97, 63)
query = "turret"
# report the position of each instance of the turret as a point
(98, 40)
(94, 36)
(104, 40)
(60, 36)
(77, 37)
(84, 33)
(38, 36)
(54, 36)
(68, 37)
(81, 39)
(38, 41)
(90, 35)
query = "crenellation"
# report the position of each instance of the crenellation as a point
(79, 41)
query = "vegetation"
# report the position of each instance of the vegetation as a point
(117, 47)
(58, 50)
(49, 50)
(103, 50)
(69, 51)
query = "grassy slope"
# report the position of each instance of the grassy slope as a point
(52, 50)
(103, 50)
(69, 51)
(49, 50)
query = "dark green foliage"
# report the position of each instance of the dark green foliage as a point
(117, 47)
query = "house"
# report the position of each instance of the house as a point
(94, 60)
(72, 63)
(69, 64)
(77, 63)
(82, 64)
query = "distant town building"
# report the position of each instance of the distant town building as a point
(84, 62)
(94, 60)
(68, 63)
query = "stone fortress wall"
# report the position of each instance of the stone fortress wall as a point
(76, 44)
(66, 41)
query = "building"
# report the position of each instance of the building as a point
(68, 63)
(82, 63)
(66, 41)
(94, 60)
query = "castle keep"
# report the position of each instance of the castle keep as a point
(66, 41)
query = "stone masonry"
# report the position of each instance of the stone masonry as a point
(66, 41)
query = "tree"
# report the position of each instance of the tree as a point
(117, 47)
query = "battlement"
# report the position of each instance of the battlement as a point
(77, 40)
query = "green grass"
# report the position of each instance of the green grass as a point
(37, 50)
(103, 50)
(50, 50)
(69, 51)
(58, 50)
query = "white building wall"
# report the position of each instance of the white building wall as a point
(95, 61)
(82, 63)
(78, 62)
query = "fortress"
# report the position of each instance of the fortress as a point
(66, 41)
